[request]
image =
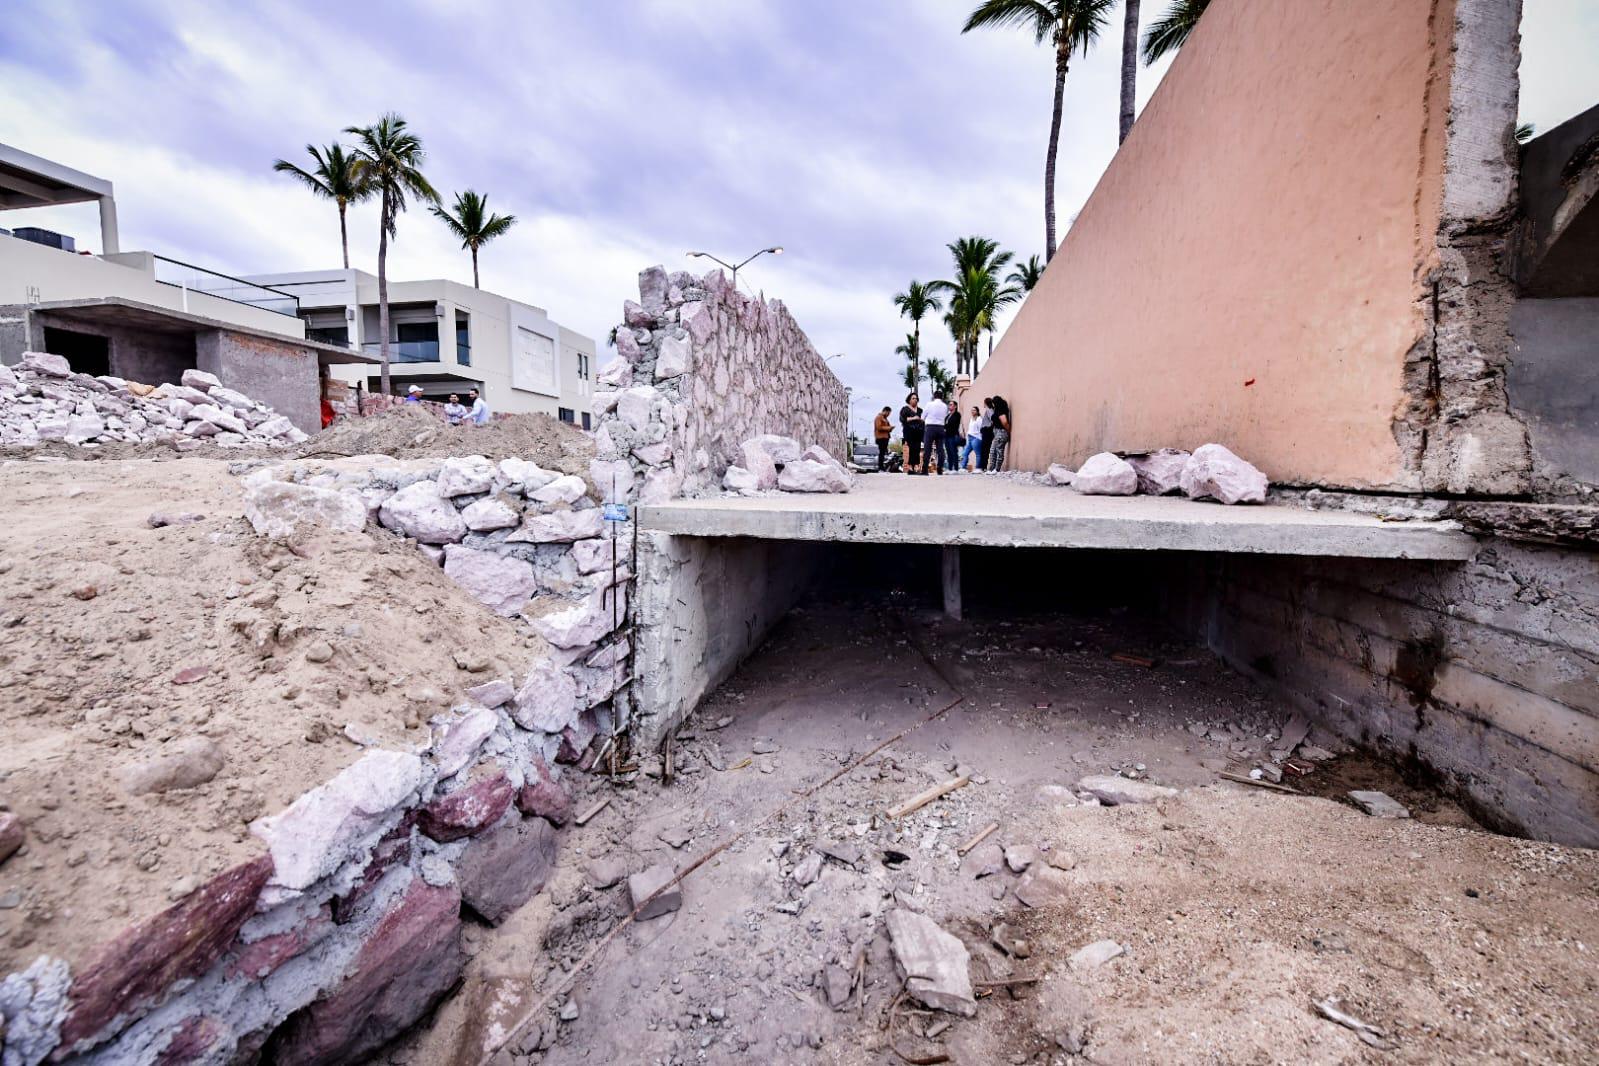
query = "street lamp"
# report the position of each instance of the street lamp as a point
(776, 249)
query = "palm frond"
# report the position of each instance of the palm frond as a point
(1033, 15)
(1169, 32)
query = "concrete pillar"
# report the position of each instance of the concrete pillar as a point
(110, 244)
(952, 582)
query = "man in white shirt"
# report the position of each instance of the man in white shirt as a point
(933, 435)
(480, 410)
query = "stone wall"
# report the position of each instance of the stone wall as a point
(279, 373)
(701, 368)
(1485, 674)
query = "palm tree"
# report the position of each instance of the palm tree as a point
(1129, 68)
(335, 177)
(1525, 132)
(1171, 30)
(916, 301)
(975, 295)
(912, 351)
(943, 381)
(470, 221)
(1025, 275)
(389, 159)
(1073, 26)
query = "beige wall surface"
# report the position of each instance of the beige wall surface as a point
(1247, 270)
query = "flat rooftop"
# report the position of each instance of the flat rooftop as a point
(973, 509)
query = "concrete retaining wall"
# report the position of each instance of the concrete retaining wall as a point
(278, 373)
(1485, 673)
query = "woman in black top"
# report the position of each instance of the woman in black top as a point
(911, 424)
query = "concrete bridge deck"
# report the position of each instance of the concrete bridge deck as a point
(970, 509)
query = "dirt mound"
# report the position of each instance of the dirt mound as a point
(417, 434)
(126, 649)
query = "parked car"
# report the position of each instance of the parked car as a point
(865, 456)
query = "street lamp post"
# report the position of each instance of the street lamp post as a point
(776, 249)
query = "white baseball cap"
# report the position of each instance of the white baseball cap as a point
(414, 388)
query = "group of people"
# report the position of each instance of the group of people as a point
(454, 412)
(933, 438)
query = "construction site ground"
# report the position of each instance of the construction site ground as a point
(1239, 908)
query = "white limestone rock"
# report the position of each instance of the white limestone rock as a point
(313, 836)
(568, 488)
(217, 416)
(592, 556)
(419, 512)
(1106, 474)
(199, 379)
(284, 509)
(1059, 474)
(657, 454)
(466, 475)
(739, 480)
(231, 398)
(673, 358)
(1216, 473)
(1160, 472)
(46, 364)
(808, 475)
(633, 405)
(456, 741)
(585, 622)
(490, 513)
(661, 484)
(547, 700)
(759, 462)
(617, 372)
(502, 583)
(559, 527)
(613, 477)
(1116, 790)
(276, 426)
(781, 449)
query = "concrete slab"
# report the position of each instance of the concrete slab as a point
(997, 511)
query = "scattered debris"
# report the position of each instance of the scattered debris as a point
(1380, 804)
(653, 882)
(1369, 1034)
(808, 869)
(1120, 790)
(977, 838)
(1042, 885)
(588, 815)
(1095, 955)
(934, 964)
(922, 799)
(1243, 779)
(1131, 659)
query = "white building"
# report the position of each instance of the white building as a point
(447, 338)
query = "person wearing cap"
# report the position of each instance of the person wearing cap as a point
(413, 394)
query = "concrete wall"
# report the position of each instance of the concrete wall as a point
(1257, 264)
(1484, 673)
(136, 354)
(280, 375)
(702, 606)
(1554, 388)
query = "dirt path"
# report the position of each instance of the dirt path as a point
(1237, 908)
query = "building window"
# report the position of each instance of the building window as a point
(582, 367)
(463, 339)
(567, 415)
(339, 335)
(586, 421)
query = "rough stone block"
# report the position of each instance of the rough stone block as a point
(503, 869)
(183, 763)
(11, 834)
(466, 475)
(468, 810)
(489, 514)
(131, 974)
(285, 509)
(502, 583)
(412, 958)
(1160, 472)
(547, 700)
(673, 358)
(1106, 474)
(559, 527)
(420, 512)
(646, 883)
(1121, 790)
(543, 796)
(1214, 472)
(935, 965)
(760, 463)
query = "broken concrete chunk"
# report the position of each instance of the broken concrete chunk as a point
(1119, 790)
(1214, 472)
(1106, 474)
(1059, 474)
(1380, 804)
(1294, 732)
(934, 964)
(646, 883)
(1095, 955)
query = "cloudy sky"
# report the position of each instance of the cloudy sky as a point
(862, 136)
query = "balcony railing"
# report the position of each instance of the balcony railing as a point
(222, 286)
(406, 351)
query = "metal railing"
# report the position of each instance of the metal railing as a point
(236, 290)
(406, 351)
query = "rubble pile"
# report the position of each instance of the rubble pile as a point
(1210, 472)
(43, 399)
(777, 462)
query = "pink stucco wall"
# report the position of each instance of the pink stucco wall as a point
(1249, 268)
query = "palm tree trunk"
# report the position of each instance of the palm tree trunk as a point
(344, 235)
(1049, 162)
(1129, 68)
(916, 356)
(475, 284)
(383, 295)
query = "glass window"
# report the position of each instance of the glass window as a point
(567, 414)
(586, 421)
(463, 339)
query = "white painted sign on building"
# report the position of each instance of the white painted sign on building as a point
(533, 363)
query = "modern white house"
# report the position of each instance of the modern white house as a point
(446, 338)
(142, 316)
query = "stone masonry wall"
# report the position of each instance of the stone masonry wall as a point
(1484, 673)
(701, 368)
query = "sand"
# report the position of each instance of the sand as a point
(99, 613)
